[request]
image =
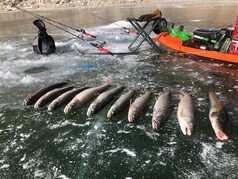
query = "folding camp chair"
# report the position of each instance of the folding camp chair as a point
(157, 22)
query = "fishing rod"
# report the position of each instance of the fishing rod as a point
(99, 46)
(48, 19)
(127, 30)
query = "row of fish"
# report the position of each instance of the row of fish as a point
(63, 93)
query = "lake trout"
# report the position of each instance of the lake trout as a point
(161, 109)
(137, 106)
(120, 104)
(186, 112)
(80, 99)
(51, 95)
(103, 99)
(218, 117)
(65, 97)
(33, 97)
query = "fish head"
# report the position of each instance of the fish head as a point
(37, 104)
(26, 101)
(70, 107)
(52, 106)
(91, 109)
(221, 135)
(156, 122)
(187, 126)
(111, 113)
(131, 117)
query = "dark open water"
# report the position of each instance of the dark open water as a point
(41, 144)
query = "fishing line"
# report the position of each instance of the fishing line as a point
(128, 30)
(45, 18)
(94, 44)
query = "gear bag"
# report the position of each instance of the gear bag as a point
(43, 43)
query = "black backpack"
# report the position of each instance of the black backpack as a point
(43, 43)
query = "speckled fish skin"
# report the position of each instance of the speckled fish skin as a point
(120, 104)
(186, 112)
(80, 99)
(64, 98)
(33, 97)
(161, 109)
(51, 95)
(137, 106)
(103, 99)
(218, 117)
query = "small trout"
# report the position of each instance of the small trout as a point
(64, 98)
(185, 114)
(137, 106)
(33, 97)
(218, 117)
(51, 95)
(103, 99)
(120, 104)
(80, 99)
(161, 109)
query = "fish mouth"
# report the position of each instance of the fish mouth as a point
(67, 109)
(52, 106)
(187, 131)
(91, 110)
(110, 114)
(155, 123)
(131, 117)
(37, 105)
(221, 135)
(25, 102)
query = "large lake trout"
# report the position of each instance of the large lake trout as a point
(80, 99)
(33, 97)
(186, 112)
(120, 104)
(64, 98)
(161, 109)
(218, 117)
(137, 106)
(103, 99)
(51, 95)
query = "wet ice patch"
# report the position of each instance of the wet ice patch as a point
(4, 166)
(63, 177)
(219, 144)
(129, 152)
(29, 80)
(117, 24)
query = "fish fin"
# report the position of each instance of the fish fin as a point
(156, 98)
(166, 89)
(130, 101)
(193, 92)
(183, 90)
